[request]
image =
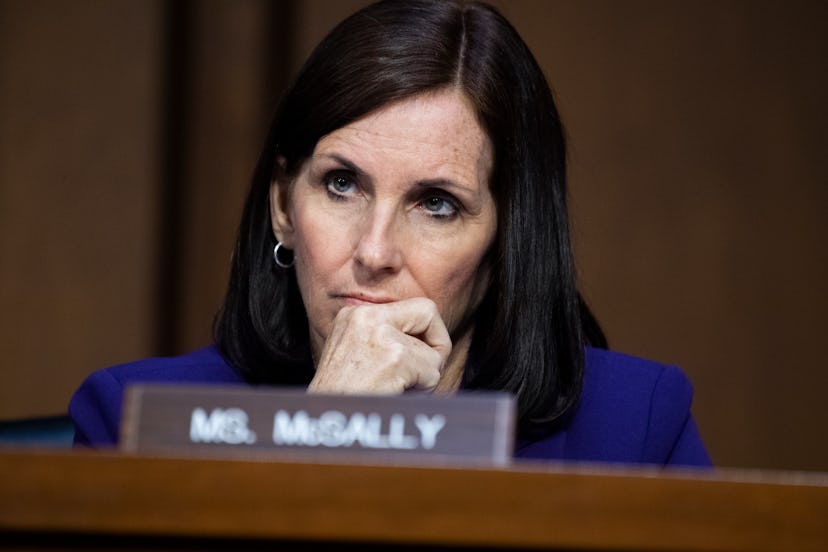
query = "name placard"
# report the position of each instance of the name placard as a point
(472, 427)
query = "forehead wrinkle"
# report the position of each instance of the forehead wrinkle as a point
(428, 141)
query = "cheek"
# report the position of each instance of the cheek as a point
(319, 254)
(320, 244)
(454, 286)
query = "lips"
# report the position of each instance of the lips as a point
(363, 298)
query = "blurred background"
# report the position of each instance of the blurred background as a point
(697, 131)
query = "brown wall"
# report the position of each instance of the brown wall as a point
(79, 161)
(129, 129)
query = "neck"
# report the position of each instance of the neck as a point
(455, 365)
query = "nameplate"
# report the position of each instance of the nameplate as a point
(472, 427)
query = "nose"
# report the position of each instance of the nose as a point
(378, 243)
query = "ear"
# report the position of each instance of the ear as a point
(281, 215)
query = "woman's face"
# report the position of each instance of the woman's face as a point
(393, 206)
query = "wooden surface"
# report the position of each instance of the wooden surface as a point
(131, 499)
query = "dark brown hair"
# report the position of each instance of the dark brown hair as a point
(530, 327)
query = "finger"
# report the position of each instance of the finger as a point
(423, 363)
(420, 318)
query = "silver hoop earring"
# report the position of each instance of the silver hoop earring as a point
(280, 262)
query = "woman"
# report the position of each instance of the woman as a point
(406, 230)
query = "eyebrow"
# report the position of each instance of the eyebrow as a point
(347, 163)
(425, 183)
(444, 183)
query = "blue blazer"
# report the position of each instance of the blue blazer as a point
(631, 411)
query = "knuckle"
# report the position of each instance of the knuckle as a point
(430, 376)
(396, 352)
(362, 314)
(428, 304)
(345, 313)
(387, 334)
(435, 359)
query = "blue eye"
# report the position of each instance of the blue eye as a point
(439, 207)
(339, 185)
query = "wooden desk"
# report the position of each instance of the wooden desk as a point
(78, 500)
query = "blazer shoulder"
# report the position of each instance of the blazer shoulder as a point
(95, 408)
(204, 365)
(631, 409)
(608, 371)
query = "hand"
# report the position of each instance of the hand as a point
(384, 348)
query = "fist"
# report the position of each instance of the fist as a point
(384, 349)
